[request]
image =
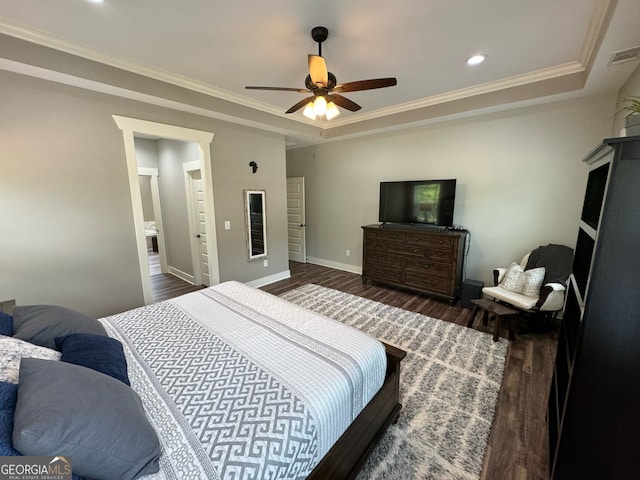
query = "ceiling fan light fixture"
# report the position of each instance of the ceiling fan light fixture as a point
(332, 111)
(320, 106)
(324, 88)
(308, 111)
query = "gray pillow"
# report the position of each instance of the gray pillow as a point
(42, 324)
(67, 409)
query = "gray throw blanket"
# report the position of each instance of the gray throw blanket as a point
(556, 259)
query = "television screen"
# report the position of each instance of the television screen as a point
(427, 202)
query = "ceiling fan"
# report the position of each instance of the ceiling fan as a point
(324, 88)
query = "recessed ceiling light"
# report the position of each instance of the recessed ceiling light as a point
(476, 59)
(95, 1)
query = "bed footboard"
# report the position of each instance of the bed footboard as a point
(347, 456)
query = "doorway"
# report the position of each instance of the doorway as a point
(153, 226)
(194, 189)
(296, 218)
(130, 128)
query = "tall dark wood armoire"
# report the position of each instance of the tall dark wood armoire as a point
(594, 402)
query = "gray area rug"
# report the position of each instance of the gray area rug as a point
(449, 385)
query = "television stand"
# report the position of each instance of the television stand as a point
(423, 260)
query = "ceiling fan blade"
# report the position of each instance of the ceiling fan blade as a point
(344, 102)
(365, 85)
(318, 70)
(281, 89)
(300, 104)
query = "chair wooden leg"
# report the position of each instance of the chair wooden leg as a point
(496, 329)
(473, 316)
(512, 335)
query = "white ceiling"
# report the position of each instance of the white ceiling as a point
(540, 48)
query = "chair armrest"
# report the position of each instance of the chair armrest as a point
(498, 275)
(551, 297)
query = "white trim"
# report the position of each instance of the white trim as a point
(132, 126)
(181, 275)
(464, 93)
(133, 67)
(276, 277)
(337, 265)
(191, 166)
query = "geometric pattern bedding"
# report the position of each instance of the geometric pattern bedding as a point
(242, 385)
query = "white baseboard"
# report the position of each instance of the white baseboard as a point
(276, 277)
(182, 275)
(337, 265)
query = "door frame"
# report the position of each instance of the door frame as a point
(301, 226)
(132, 126)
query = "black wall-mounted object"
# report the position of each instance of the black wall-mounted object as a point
(254, 167)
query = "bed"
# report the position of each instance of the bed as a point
(237, 383)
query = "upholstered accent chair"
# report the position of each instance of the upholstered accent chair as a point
(537, 284)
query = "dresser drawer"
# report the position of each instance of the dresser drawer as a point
(404, 249)
(374, 246)
(389, 274)
(384, 235)
(439, 255)
(441, 241)
(428, 282)
(385, 261)
(425, 267)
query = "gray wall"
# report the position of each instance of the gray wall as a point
(147, 199)
(630, 88)
(520, 180)
(67, 228)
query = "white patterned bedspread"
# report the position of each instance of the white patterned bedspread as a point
(242, 385)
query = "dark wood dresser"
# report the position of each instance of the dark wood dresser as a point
(421, 260)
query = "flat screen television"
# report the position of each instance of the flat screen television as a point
(423, 202)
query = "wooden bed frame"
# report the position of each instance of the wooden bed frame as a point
(347, 456)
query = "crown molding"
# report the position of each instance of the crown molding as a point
(537, 76)
(602, 13)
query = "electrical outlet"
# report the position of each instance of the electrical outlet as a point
(265, 263)
(227, 225)
(347, 253)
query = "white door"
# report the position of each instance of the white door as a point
(296, 219)
(203, 257)
(195, 204)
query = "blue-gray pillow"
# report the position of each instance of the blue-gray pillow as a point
(42, 324)
(95, 419)
(6, 324)
(8, 396)
(100, 353)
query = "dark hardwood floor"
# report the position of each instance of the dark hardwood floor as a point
(518, 446)
(166, 286)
